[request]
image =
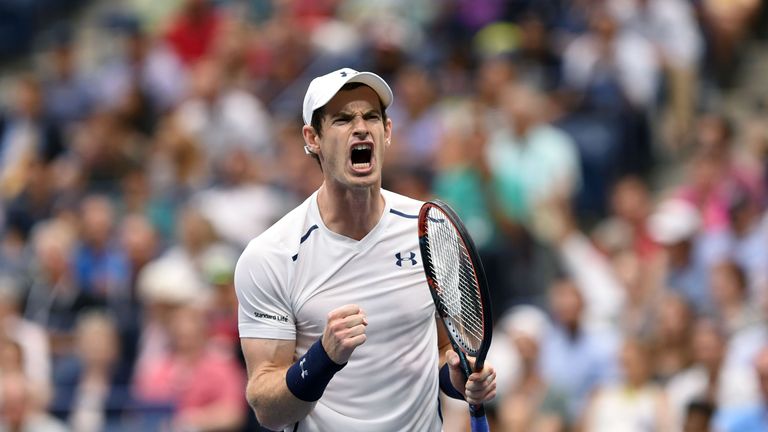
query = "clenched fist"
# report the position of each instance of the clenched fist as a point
(344, 331)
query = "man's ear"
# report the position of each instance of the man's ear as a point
(388, 132)
(311, 146)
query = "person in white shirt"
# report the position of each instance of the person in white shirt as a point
(336, 322)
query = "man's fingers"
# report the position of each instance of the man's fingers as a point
(485, 375)
(480, 398)
(357, 340)
(480, 381)
(344, 311)
(481, 386)
(355, 331)
(355, 320)
(452, 358)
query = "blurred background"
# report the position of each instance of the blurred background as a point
(608, 156)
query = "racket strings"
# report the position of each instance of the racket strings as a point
(456, 281)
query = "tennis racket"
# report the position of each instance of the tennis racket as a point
(457, 283)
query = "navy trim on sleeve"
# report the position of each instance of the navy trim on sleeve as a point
(303, 239)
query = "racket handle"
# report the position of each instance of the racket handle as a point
(478, 424)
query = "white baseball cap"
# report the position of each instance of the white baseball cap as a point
(673, 221)
(323, 88)
(527, 320)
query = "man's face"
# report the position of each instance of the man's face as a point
(354, 137)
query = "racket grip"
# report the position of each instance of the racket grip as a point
(478, 424)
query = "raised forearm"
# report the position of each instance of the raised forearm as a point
(275, 406)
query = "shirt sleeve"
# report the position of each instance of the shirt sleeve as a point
(264, 306)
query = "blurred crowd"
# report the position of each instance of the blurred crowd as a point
(619, 208)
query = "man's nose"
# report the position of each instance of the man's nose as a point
(359, 127)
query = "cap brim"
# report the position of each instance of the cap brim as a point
(375, 82)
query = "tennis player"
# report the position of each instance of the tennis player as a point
(337, 324)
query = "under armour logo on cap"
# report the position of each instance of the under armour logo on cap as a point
(323, 88)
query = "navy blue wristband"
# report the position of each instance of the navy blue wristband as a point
(445, 384)
(310, 375)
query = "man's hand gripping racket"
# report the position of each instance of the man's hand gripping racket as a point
(457, 283)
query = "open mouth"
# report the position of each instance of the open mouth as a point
(361, 156)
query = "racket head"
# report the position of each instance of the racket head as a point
(456, 279)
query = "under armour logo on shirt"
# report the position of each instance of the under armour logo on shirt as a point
(411, 258)
(304, 373)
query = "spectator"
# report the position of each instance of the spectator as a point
(143, 68)
(727, 26)
(532, 403)
(195, 236)
(294, 174)
(738, 314)
(521, 265)
(709, 378)
(698, 417)
(31, 338)
(592, 272)
(140, 243)
(672, 27)
(137, 197)
(177, 164)
(53, 299)
(747, 236)
(162, 286)
(672, 338)
(576, 357)
(26, 136)
(219, 270)
(254, 204)
(532, 163)
(192, 32)
(733, 310)
(752, 417)
(92, 391)
(104, 151)
(68, 96)
(631, 204)
(19, 410)
(718, 173)
(100, 267)
(493, 73)
(683, 265)
(417, 115)
(636, 403)
(212, 404)
(222, 117)
(615, 73)
(536, 58)
(34, 201)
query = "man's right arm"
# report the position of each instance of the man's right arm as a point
(269, 360)
(267, 393)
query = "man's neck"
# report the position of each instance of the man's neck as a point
(352, 213)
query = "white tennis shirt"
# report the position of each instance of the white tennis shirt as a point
(291, 276)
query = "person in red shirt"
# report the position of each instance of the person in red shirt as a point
(193, 31)
(204, 387)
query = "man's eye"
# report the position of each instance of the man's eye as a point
(372, 116)
(341, 120)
